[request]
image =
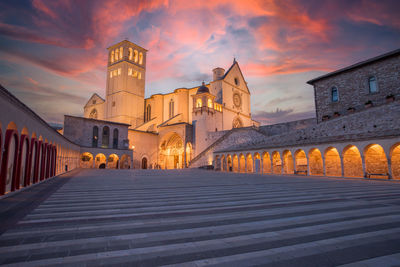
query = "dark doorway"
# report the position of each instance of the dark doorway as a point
(144, 163)
(102, 166)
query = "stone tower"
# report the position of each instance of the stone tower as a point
(126, 73)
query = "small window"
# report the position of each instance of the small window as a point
(335, 94)
(139, 75)
(140, 58)
(113, 103)
(121, 52)
(129, 71)
(171, 108)
(112, 56)
(135, 56)
(135, 74)
(111, 73)
(130, 54)
(236, 81)
(373, 87)
(119, 71)
(116, 54)
(94, 101)
(198, 103)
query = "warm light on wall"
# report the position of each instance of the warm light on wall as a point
(198, 103)
(209, 103)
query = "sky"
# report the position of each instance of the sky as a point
(53, 53)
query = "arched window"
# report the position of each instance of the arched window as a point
(95, 137)
(198, 103)
(116, 54)
(373, 87)
(135, 56)
(115, 138)
(334, 94)
(105, 137)
(140, 58)
(130, 54)
(148, 113)
(112, 56)
(93, 114)
(209, 103)
(171, 108)
(129, 71)
(121, 49)
(139, 75)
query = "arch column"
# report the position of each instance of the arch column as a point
(363, 165)
(389, 162)
(323, 164)
(308, 165)
(272, 164)
(262, 164)
(341, 163)
(245, 164)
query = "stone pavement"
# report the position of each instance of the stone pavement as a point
(197, 217)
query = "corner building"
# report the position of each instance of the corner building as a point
(168, 130)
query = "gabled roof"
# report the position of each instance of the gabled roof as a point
(357, 65)
(240, 71)
(94, 95)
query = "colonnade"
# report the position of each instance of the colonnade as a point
(360, 159)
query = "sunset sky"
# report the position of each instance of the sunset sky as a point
(53, 53)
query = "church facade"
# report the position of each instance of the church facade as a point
(168, 130)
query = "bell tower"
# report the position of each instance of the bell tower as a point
(126, 73)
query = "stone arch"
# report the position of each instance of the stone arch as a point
(100, 161)
(266, 163)
(395, 160)
(229, 163)
(113, 161)
(288, 163)
(86, 160)
(315, 162)
(242, 163)
(352, 162)
(217, 163)
(276, 163)
(375, 160)
(8, 175)
(125, 162)
(172, 152)
(144, 164)
(235, 163)
(249, 162)
(333, 165)
(301, 161)
(257, 163)
(23, 161)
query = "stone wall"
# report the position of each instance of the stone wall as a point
(286, 127)
(353, 87)
(371, 123)
(80, 131)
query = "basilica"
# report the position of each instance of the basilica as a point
(166, 130)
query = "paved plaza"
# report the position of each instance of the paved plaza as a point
(198, 217)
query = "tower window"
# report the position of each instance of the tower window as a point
(112, 56)
(334, 94)
(116, 54)
(119, 71)
(135, 56)
(111, 74)
(130, 54)
(130, 71)
(171, 108)
(113, 103)
(140, 58)
(121, 53)
(135, 74)
(139, 75)
(373, 87)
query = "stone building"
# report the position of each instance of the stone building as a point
(356, 133)
(168, 130)
(372, 82)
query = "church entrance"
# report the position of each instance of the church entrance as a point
(172, 152)
(144, 163)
